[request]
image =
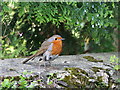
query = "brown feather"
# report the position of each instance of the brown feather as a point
(43, 48)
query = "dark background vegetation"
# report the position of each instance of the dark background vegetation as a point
(86, 26)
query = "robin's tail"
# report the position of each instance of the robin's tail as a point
(31, 57)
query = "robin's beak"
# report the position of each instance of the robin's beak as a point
(62, 39)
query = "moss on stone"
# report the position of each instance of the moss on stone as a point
(77, 78)
(96, 69)
(76, 70)
(91, 78)
(92, 59)
(99, 78)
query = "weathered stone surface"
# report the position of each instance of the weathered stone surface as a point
(14, 67)
(103, 67)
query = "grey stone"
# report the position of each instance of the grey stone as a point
(14, 66)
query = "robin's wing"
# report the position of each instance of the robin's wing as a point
(43, 48)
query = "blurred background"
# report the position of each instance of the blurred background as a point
(86, 27)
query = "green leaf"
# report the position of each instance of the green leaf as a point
(89, 17)
(118, 80)
(32, 84)
(106, 24)
(11, 49)
(51, 82)
(6, 83)
(92, 22)
(51, 74)
(21, 12)
(61, 19)
(6, 8)
(117, 67)
(1, 13)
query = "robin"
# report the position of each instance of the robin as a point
(50, 48)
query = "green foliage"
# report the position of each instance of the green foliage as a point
(50, 77)
(15, 47)
(27, 24)
(118, 80)
(7, 84)
(116, 61)
(22, 83)
(117, 67)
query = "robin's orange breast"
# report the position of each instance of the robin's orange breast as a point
(57, 47)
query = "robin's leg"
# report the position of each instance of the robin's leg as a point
(46, 58)
(52, 57)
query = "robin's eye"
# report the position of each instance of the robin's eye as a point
(55, 38)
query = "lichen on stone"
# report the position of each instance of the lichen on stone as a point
(92, 59)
